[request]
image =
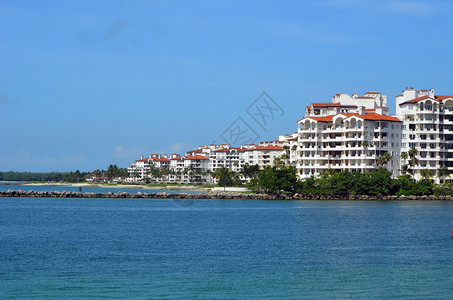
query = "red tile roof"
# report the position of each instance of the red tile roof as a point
(196, 157)
(270, 147)
(325, 104)
(365, 97)
(160, 159)
(320, 119)
(438, 98)
(373, 92)
(195, 151)
(143, 159)
(373, 116)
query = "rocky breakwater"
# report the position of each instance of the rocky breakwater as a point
(164, 195)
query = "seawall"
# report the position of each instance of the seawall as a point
(164, 195)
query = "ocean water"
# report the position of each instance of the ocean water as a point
(86, 189)
(53, 248)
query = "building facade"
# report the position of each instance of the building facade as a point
(427, 131)
(350, 133)
(197, 165)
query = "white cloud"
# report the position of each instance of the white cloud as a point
(23, 160)
(177, 146)
(129, 153)
(78, 158)
(411, 8)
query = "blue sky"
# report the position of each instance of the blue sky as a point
(85, 84)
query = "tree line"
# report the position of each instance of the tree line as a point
(275, 180)
(113, 171)
(282, 178)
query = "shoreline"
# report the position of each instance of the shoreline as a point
(123, 186)
(229, 196)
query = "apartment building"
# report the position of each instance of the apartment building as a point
(350, 133)
(428, 128)
(141, 167)
(197, 164)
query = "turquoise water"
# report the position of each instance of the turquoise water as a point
(224, 249)
(88, 189)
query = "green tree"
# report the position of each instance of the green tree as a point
(286, 155)
(426, 174)
(413, 160)
(383, 159)
(365, 146)
(275, 179)
(224, 177)
(249, 171)
(404, 169)
(404, 156)
(442, 172)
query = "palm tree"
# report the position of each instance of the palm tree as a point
(278, 162)
(404, 169)
(442, 172)
(404, 156)
(413, 160)
(384, 159)
(329, 172)
(165, 171)
(294, 149)
(190, 171)
(224, 176)
(365, 146)
(249, 171)
(286, 149)
(426, 174)
(286, 155)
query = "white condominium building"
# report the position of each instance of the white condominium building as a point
(428, 128)
(351, 133)
(197, 164)
(141, 167)
(354, 133)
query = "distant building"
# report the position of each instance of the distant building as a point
(197, 165)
